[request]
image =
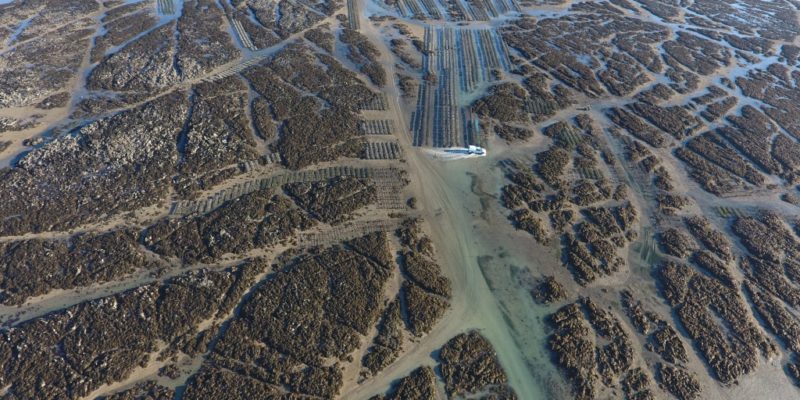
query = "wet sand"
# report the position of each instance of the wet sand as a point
(486, 294)
(477, 255)
(489, 262)
(493, 256)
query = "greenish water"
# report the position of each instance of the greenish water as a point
(498, 260)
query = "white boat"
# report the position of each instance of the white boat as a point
(457, 153)
(469, 151)
(477, 150)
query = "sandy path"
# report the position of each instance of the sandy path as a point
(473, 304)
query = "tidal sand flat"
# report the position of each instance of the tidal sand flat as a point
(399, 199)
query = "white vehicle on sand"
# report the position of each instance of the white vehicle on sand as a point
(457, 153)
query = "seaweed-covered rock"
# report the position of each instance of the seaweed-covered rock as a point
(676, 243)
(292, 329)
(147, 390)
(388, 342)
(548, 290)
(260, 218)
(110, 336)
(550, 165)
(33, 267)
(714, 240)
(424, 308)
(425, 273)
(716, 318)
(334, 200)
(419, 384)
(504, 102)
(511, 133)
(81, 177)
(636, 385)
(678, 382)
(525, 220)
(573, 351)
(469, 366)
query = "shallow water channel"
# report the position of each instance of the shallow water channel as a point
(489, 261)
